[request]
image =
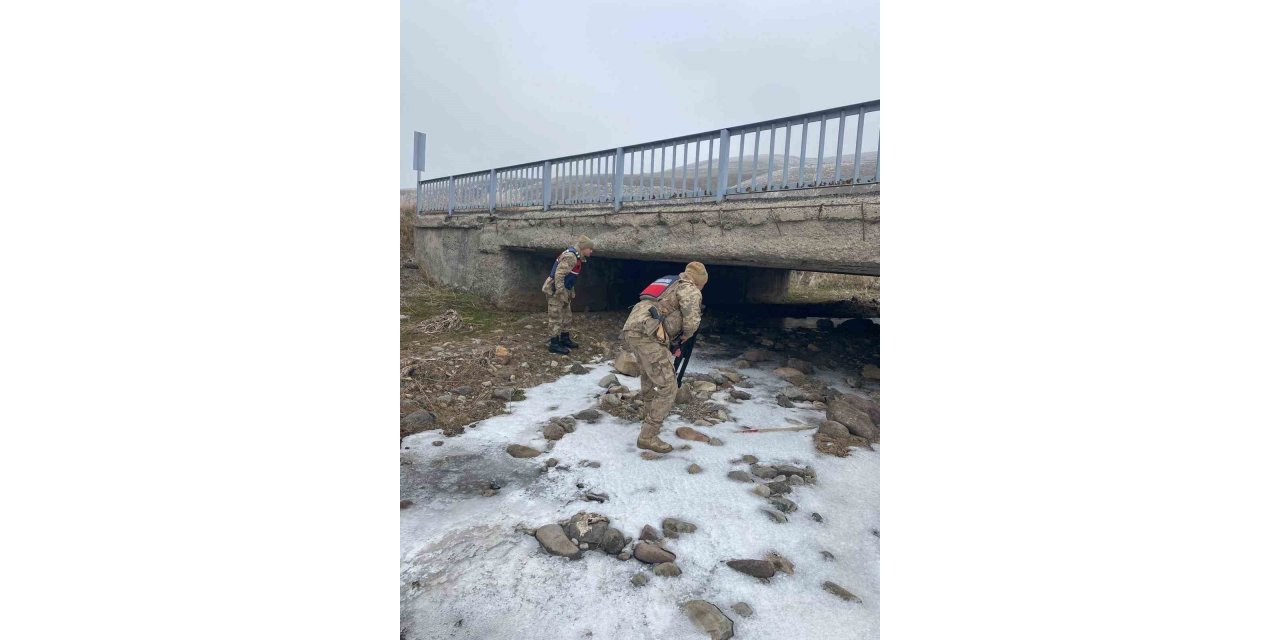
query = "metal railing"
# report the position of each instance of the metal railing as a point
(701, 165)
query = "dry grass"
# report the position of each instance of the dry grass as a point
(406, 228)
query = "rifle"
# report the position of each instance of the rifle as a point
(683, 352)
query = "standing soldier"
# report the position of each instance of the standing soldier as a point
(677, 303)
(559, 289)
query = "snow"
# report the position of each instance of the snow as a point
(478, 577)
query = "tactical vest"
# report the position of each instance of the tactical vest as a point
(571, 277)
(656, 293)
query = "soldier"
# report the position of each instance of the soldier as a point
(678, 303)
(559, 289)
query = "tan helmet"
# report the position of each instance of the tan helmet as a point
(697, 272)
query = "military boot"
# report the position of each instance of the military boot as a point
(554, 346)
(567, 341)
(649, 439)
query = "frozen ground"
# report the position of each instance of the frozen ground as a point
(467, 572)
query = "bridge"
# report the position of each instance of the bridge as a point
(737, 199)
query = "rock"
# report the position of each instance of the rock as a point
(803, 366)
(753, 568)
(684, 395)
(750, 459)
(626, 364)
(716, 442)
(688, 433)
(666, 570)
(613, 541)
(815, 516)
(489, 493)
(709, 619)
(553, 431)
(618, 389)
(551, 462)
(833, 429)
(501, 354)
(870, 372)
(859, 423)
(825, 324)
(672, 528)
(747, 384)
(444, 399)
(782, 504)
(461, 391)
(521, 451)
(722, 415)
(568, 423)
(844, 594)
(743, 609)
(777, 516)
(503, 393)
(763, 471)
(590, 415)
(651, 455)
(437, 443)
(594, 464)
(408, 406)
(787, 372)
(610, 400)
(640, 579)
(741, 364)
(762, 490)
(592, 496)
(420, 420)
(827, 555)
(740, 476)
(779, 487)
(649, 534)
(875, 532)
(791, 470)
(624, 555)
(694, 468)
(553, 539)
(608, 381)
(755, 355)
(405, 504)
(703, 386)
(740, 395)
(781, 563)
(795, 481)
(577, 369)
(653, 554)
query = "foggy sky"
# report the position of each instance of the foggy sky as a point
(502, 82)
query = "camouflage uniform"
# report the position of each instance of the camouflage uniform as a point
(681, 304)
(559, 316)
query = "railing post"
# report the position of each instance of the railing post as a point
(617, 180)
(546, 185)
(722, 182)
(877, 158)
(493, 189)
(450, 207)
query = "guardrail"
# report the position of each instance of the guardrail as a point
(662, 170)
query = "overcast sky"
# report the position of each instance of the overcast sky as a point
(502, 82)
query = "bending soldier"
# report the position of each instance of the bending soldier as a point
(677, 301)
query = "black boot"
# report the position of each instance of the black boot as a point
(554, 346)
(566, 341)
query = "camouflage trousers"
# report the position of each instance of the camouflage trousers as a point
(657, 378)
(559, 317)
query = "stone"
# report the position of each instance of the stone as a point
(815, 516)
(740, 476)
(503, 393)
(689, 433)
(551, 462)
(577, 369)
(702, 423)
(626, 364)
(762, 490)
(782, 504)
(590, 415)
(776, 516)
(787, 372)
(553, 539)
(795, 481)
(703, 386)
(791, 470)
(742, 363)
(610, 400)
(408, 406)
(747, 384)
(437, 443)
(833, 429)
(501, 354)
(649, 534)
(750, 459)
(870, 372)
(405, 504)
(743, 609)
(444, 399)
(666, 570)
(553, 431)
(619, 389)
(740, 395)
(755, 355)
(420, 420)
(592, 496)
(716, 442)
(781, 563)
(763, 471)
(779, 487)
(608, 381)
(464, 390)
(858, 422)
(838, 590)
(684, 395)
(613, 541)
(653, 554)
(594, 464)
(624, 555)
(828, 556)
(754, 568)
(640, 579)
(859, 399)
(651, 455)
(568, 423)
(722, 415)
(694, 468)
(672, 528)
(709, 619)
(825, 324)
(803, 366)
(521, 451)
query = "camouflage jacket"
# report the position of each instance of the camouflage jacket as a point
(681, 304)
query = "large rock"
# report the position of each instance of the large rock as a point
(590, 415)
(763, 471)
(553, 431)
(613, 541)
(709, 619)
(703, 386)
(672, 528)
(740, 476)
(420, 420)
(803, 366)
(684, 395)
(781, 563)
(778, 486)
(784, 401)
(666, 570)
(743, 609)
(521, 451)
(862, 401)
(847, 413)
(754, 568)
(553, 539)
(838, 590)
(653, 554)
(689, 433)
(503, 393)
(833, 429)
(626, 364)
(649, 534)
(608, 381)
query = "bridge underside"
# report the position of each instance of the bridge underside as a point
(748, 245)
